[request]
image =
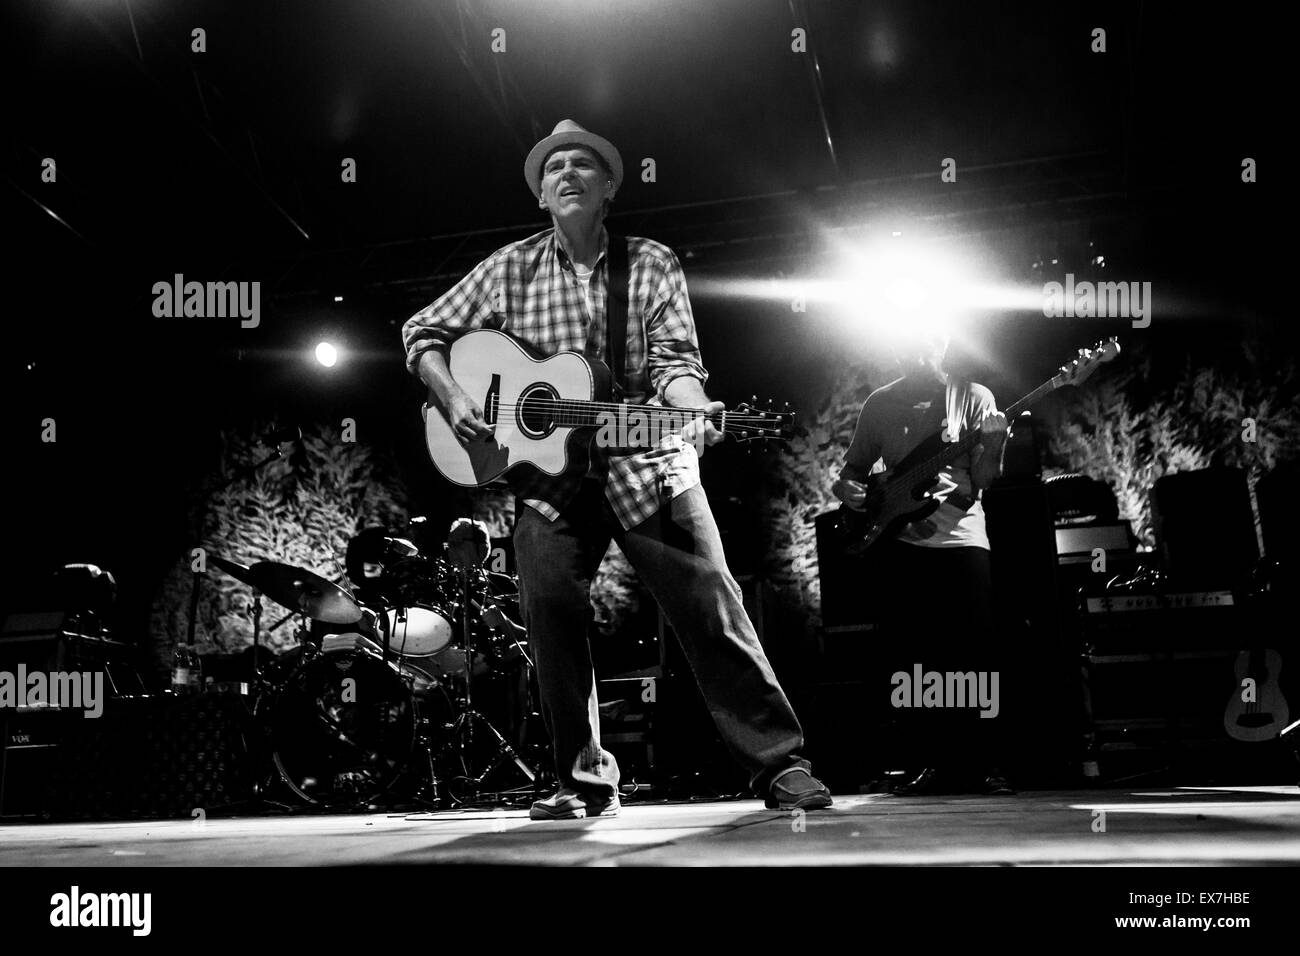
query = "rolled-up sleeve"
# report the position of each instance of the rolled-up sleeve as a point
(673, 350)
(466, 306)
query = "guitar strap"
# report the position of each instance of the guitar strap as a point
(616, 299)
(957, 398)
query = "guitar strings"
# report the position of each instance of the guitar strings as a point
(577, 408)
(583, 405)
(902, 485)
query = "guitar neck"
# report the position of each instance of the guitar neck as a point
(578, 413)
(951, 452)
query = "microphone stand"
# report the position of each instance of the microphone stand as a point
(245, 471)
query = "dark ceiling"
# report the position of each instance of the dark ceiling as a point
(238, 149)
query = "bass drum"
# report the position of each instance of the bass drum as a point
(420, 616)
(342, 725)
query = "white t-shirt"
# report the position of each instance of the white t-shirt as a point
(895, 420)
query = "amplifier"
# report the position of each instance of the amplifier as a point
(1169, 712)
(29, 755)
(1160, 672)
(845, 599)
(659, 730)
(51, 641)
(1128, 603)
(1205, 527)
(1278, 519)
(628, 715)
(1074, 545)
(146, 757)
(1180, 621)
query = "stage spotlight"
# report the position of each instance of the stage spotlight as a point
(892, 287)
(327, 354)
(906, 292)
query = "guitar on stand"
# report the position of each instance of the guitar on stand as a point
(901, 495)
(1261, 714)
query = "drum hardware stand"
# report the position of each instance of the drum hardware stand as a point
(257, 630)
(462, 728)
(428, 792)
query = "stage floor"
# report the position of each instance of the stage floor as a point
(1246, 825)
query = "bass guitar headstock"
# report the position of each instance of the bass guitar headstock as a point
(1087, 362)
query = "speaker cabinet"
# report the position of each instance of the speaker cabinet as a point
(846, 598)
(1278, 516)
(1205, 528)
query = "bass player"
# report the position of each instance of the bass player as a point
(941, 560)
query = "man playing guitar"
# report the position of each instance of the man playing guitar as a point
(942, 559)
(551, 292)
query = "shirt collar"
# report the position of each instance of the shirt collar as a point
(566, 262)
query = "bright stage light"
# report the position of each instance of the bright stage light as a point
(906, 292)
(891, 288)
(327, 354)
(899, 286)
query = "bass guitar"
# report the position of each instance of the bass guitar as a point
(901, 495)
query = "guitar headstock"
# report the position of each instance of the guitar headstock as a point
(1077, 372)
(750, 422)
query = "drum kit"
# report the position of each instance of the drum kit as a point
(377, 699)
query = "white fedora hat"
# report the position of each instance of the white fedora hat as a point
(568, 132)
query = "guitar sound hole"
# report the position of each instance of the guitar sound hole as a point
(536, 410)
(1255, 720)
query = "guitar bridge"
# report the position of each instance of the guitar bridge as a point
(492, 401)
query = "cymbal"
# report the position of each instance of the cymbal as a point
(300, 590)
(240, 572)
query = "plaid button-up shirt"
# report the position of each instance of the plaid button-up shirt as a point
(528, 289)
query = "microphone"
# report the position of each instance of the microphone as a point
(282, 435)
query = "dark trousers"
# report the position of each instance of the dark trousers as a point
(677, 554)
(936, 610)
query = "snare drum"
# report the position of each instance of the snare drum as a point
(421, 630)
